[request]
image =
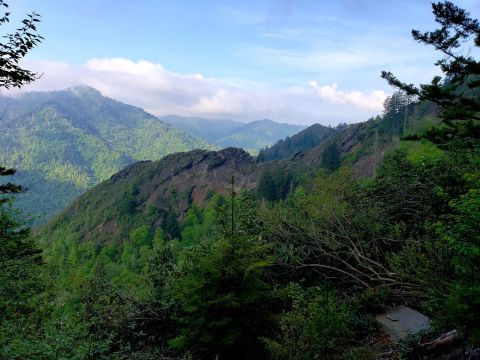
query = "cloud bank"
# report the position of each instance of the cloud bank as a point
(373, 100)
(160, 91)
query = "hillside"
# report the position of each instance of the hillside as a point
(146, 192)
(64, 142)
(152, 191)
(169, 229)
(302, 141)
(251, 136)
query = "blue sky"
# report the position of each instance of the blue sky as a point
(294, 61)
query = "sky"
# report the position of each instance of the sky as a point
(302, 61)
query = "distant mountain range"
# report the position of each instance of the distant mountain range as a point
(64, 142)
(252, 136)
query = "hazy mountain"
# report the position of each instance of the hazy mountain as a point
(63, 142)
(208, 129)
(258, 134)
(251, 136)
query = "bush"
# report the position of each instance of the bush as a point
(318, 325)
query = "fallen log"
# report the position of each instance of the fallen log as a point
(442, 341)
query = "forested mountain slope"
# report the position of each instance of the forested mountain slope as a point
(302, 141)
(258, 134)
(251, 136)
(148, 191)
(64, 142)
(155, 192)
(171, 230)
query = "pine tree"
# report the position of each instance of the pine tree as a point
(331, 159)
(457, 93)
(222, 291)
(266, 186)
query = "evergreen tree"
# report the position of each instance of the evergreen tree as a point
(458, 222)
(396, 109)
(222, 291)
(331, 157)
(275, 184)
(457, 94)
(20, 281)
(266, 186)
(170, 225)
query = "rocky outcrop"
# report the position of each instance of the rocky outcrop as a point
(403, 322)
(193, 176)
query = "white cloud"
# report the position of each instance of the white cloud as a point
(160, 91)
(372, 100)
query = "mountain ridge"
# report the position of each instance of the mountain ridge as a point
(174, 183)
(301, 141)
(252, 136)
(63, 142)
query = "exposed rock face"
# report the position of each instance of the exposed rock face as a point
(402, 322)
(152, 189)
(354, 140)
(194, 176)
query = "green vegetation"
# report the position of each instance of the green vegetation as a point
(249, 287)
(21, 280)
(154, 264)
(331, 157)
(22, 286)
(64, 142)
(275, 184)
(303, 141)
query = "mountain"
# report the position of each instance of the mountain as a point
(208, 129)
(64, 142)
(152, 216)
(302, 141)
(150, 192)
(251, 136)
(258, 134)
